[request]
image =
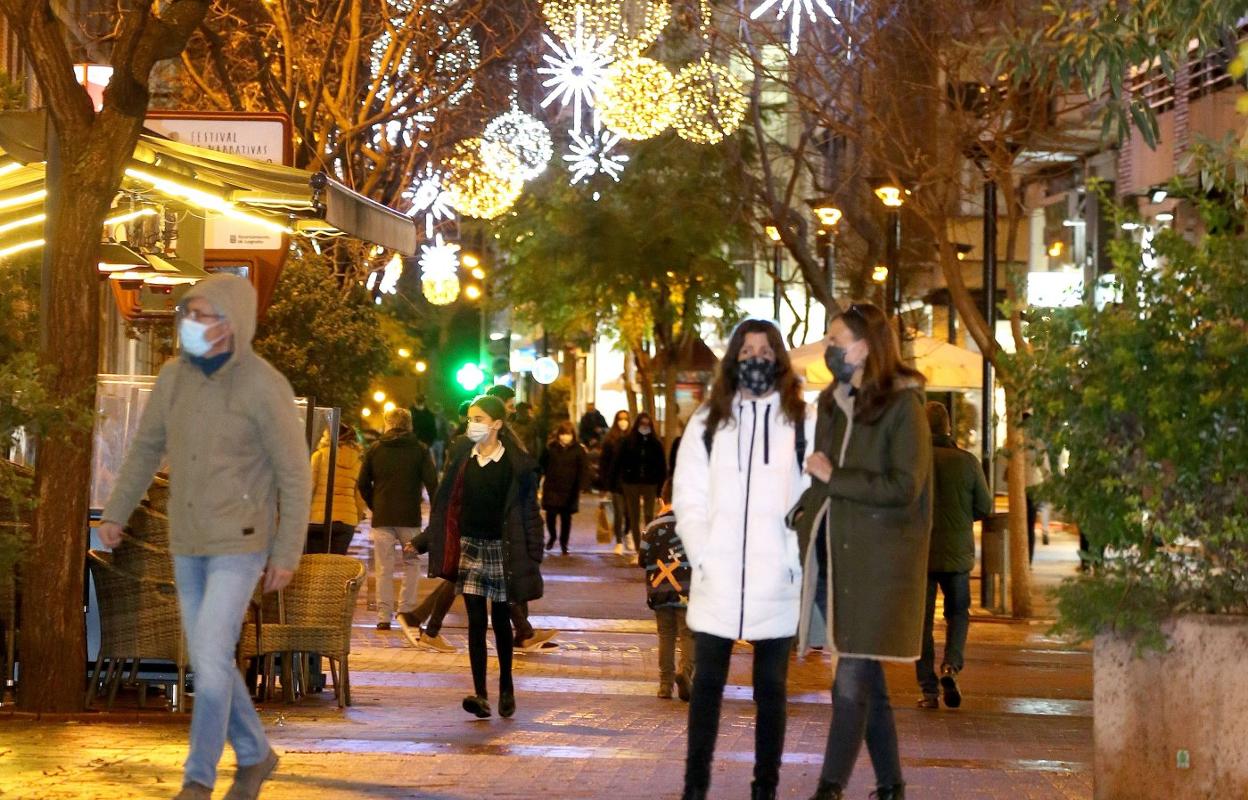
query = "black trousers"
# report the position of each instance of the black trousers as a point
(339, 539)
(771, 671)
(564, 518)
(1031, 527)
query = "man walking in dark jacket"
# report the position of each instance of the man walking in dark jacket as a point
(960, 496)
(395, 470)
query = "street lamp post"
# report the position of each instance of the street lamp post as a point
(477, 292)
(773, 233)
(990, 316)
(828, 216)
(893, 197)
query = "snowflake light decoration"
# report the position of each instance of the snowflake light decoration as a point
(439, 271)
(430, 197)
(391, 274)
(474, 189)
(592, 154)
(711, 102)
(577, 70)
(516, 142)
(636, 101)
(795, 10)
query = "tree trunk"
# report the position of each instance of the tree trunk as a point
(1020, 566)
(53, 639)
(671, 411)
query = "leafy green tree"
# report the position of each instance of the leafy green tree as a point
(323, 335)
(645, 258)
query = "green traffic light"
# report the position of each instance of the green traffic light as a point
(470, 376)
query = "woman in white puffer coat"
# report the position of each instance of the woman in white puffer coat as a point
(738, 473)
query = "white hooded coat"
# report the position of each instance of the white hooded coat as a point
(730, 509)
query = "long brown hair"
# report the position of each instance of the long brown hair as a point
(563, 427)
(725, 387)
(615, 434)
(884, 373)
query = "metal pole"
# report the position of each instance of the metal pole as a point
(894, 269)
(777, 283)
(990, 316)
(952, 338)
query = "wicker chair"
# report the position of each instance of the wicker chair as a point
(138, 604)
(318, 606)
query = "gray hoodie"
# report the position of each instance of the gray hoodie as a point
(235, 444)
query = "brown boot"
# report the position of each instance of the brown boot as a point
(194, 791)
(247, 780)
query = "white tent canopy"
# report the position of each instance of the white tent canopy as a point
(947, 367)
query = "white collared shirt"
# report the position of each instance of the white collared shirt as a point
(496, 456)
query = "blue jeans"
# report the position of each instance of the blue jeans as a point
(213, 592)
(860, 708)
(956, 586)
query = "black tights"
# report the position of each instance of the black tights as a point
(477, 622)
(565, 528)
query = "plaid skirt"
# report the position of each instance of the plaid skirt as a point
(481, 569)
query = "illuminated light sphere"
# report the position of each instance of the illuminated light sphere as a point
(474, 189)
(711, 102)
(439, 271)
(577, 70)
(633, 24)
(795, 10)
(636, 101)
(518, 143)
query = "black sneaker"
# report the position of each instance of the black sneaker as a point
(949, 684)
(506, 704)
(478, 706)
(411, 627)
(383, 626)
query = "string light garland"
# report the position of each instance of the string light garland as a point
(711, 102)
(795, 10)
(633, 25)
(592, 154)
(439, 271)
(516, 142)
(475, 190)
(577, 69)
(637, 99)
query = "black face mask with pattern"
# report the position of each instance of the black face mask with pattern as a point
(757, 375)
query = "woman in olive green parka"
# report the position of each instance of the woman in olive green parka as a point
(869, 510)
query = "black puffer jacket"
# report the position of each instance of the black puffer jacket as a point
(642, 461)
(566, 471)
(394, 471)
(522, 539)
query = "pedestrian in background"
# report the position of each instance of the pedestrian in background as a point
(565, 470)
(394, 472)
(486, 535)
(424, 423)
(870, 508)
(347, 507)
(609, 476)
(959, 497)
(739, 472)
(663, 558)
(228, 423)
(593, 426)
(642, 467)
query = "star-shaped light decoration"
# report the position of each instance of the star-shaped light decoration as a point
(592, 154)
(439, 271)
(794, 10)
(577, 70)
(430, 197)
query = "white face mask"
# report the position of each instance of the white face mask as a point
(565, 439)
(477, 431)
(623, 424)
(193, 336)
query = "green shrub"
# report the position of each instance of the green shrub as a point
(1148, 396)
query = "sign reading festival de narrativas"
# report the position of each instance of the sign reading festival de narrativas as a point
(262, 139)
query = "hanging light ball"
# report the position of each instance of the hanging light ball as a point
(440, 291)
(439, 271)
(516, 145)
(711, 102)
(474, 189)
(635, 24)
(636, 101)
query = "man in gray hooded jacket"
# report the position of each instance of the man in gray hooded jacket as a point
(227, 421)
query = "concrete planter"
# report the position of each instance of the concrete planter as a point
(1173, 725)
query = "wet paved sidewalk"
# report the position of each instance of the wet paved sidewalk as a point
(589, 724)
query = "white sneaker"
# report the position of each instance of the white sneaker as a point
(619, 548)
(628, 545)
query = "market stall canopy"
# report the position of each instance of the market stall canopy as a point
(293, 200)
(947, 367)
